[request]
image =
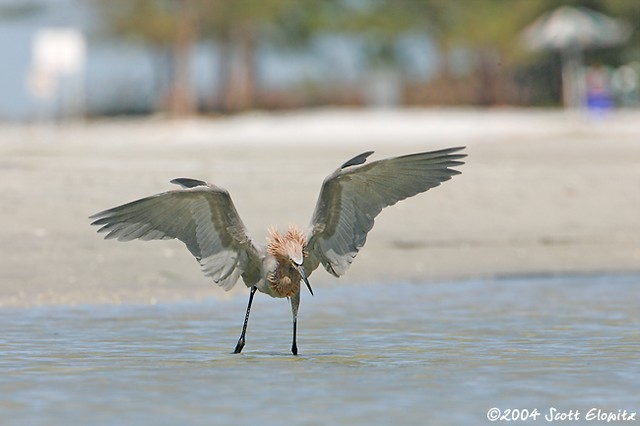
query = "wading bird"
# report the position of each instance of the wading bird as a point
(202, 216)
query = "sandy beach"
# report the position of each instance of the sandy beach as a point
(542, 192)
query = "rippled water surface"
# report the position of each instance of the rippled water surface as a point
(369, 355)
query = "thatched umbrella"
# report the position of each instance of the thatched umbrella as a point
(571, 30)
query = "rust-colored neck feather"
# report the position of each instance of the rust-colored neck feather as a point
(286, 245)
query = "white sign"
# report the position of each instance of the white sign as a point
(60, 51)
(57, 67)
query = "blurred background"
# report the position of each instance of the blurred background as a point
(93, 58)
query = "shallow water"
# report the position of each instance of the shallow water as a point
(369, 355)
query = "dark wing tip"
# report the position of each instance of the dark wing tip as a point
(96, 219)
(358, 159)
(99, 218)
(453, 157)
(188, 182)
(449, 152)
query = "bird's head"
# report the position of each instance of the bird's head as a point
(289, 249)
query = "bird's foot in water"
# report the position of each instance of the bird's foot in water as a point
(239, 346)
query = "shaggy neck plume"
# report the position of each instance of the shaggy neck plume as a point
(286, 245)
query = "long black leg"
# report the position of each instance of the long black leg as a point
(295, 302)
(294, 347)
(240, 344)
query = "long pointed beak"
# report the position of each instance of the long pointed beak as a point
(303, 274)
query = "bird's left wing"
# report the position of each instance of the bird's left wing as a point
(354, 195)
(200, 215)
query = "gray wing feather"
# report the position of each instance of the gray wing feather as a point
(354, 195)
(203, 217)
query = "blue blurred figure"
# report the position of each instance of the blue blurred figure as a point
(599, 100)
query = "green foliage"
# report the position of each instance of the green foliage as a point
(471, 23)
(152, 21)
(17, 11)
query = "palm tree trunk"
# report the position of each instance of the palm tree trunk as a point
(182, 100)
(241, 82)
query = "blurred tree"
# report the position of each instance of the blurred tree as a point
(482, 30)
(13, 11)
(167, 27)
(182, 99)
(238, 28)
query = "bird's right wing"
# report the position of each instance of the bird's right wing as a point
(200, 215)
(354, 195)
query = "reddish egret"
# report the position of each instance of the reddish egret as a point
(202, 216)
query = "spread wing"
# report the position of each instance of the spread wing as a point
(200, 215)
(354, 195)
